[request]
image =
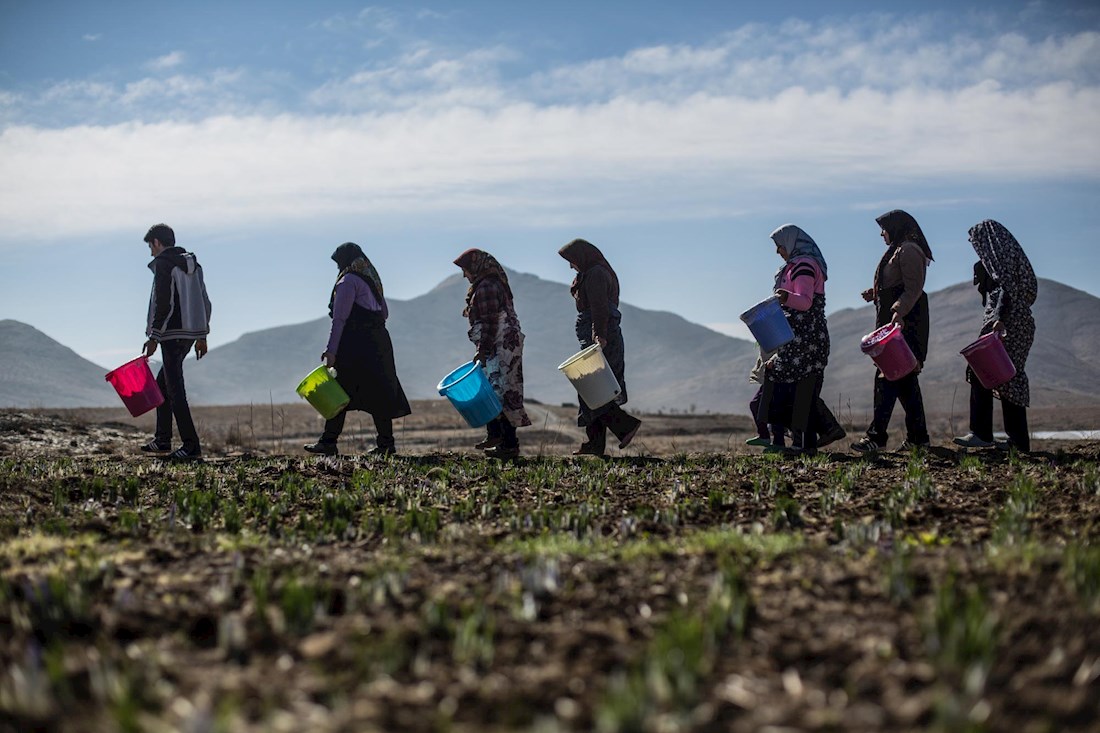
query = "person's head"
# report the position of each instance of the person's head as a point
(159, 238)
(581, 254)
(346, 254)
(898, 227)
(792, 241)
(471, 262)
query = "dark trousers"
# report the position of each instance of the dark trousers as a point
(616, 419)
(765, 430)
(795, 405)
(907, 391)
(981, 418)
(335, 426)
(501, 427)
(170, 381)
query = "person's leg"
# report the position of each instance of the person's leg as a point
(493, 434)
(916, 427)
(509, 438)
(1016, 426)
(622, 424)
(163, 435)
(173, 353)
(981, 411)
(385, 441)
(807, 395)
(886, 394)
(754, 410)
(829, 429)
(596, 437)
(333, 428)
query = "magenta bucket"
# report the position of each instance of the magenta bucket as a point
(887, 348)
(136, 386)
(989, 361)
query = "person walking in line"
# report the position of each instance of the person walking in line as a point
(899, 297)
(596, 292)
(179, 318)
(795, 372)
(1006, 281)
(360, 349)
(767, 435)
(495, 332)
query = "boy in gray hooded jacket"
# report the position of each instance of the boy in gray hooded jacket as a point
(179, 318)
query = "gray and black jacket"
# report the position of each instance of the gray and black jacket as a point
(178, 305)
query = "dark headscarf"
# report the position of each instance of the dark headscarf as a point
(585, 256)
(349, 257)
(481, 265)
(902, 227)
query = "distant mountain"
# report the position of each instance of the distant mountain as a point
(672, 364)
(36, 371)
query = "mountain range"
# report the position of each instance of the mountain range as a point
(672, 364)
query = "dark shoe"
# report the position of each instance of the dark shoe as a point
(503, 452)
(387, 449)
(629, 436)
(154, 447)
(759, 442)
(184, 455)
(588, 449)
(489, 443)
(910, 445)
(321, 449)
(837, 433)
(866, 445)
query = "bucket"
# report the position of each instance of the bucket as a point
(591, 376)
(136, 386)
(469, 391)
(768, 324)
(887, 348)
(989, 360)
(320, 389)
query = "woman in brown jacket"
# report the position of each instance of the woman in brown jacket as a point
(596, 291)
(899, 297)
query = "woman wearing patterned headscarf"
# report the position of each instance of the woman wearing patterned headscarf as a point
(794, 374)
(359, 347)
(596, 292)
(1006, 281)
(495, 331)
(899, 297)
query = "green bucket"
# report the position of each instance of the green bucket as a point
(321, 390)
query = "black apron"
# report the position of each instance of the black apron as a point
(614, 352)
(365, 366)
(914, 327)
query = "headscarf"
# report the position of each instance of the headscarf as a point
(585, 256)
(1004, 260)
(481, 265)
(349, 257)
(901, 227)
(798, 244)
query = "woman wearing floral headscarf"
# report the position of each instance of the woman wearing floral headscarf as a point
(359, 347)
(596, 292)
(794, 374)
(1006, 281)
(494, 330)
(899, 297)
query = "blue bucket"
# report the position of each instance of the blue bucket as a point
(469, 391)
(768, 324)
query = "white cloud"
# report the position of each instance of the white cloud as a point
(92, 37)
(167, 61)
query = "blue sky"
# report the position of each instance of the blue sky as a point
(675, 136)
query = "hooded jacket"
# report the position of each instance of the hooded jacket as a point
(179, 307)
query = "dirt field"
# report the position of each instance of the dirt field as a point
(688, 585)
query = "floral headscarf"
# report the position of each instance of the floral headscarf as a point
(481, 265)
(349, 257)
(1004, 261)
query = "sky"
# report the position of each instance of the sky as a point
(674, 136)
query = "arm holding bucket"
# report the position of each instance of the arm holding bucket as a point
(914, 266)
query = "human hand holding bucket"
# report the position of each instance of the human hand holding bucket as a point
(989, 360)
(321, 390)
(468, 390)
(591, 376)
(768, 324)
(887, 348)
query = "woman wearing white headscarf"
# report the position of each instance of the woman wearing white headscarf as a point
(1006, 281)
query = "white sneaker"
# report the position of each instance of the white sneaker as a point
(973, 441)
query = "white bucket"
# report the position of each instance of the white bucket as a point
(591, 376)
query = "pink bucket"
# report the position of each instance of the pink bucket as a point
(989, 360)
(887, 348)
(136, 386)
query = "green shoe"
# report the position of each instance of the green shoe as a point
(759, 442)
